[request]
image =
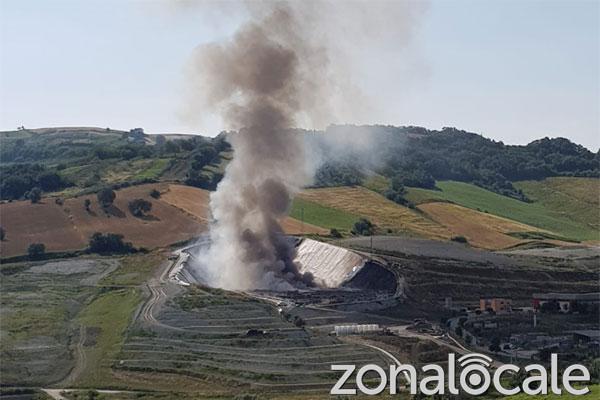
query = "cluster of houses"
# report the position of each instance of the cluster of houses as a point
(557, 302)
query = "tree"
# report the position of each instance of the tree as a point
(35, 251)
(35, 195)
(87, 203)
(363, 227)
(160, 140)
(109, 243)
(154, 194)
(458, 331)
(139, 207)
(459, 239)
(106, 197)
(171, 147)
(2, 234)
(334, 233)
(396, 191)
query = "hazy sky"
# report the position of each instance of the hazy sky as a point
(511, 70)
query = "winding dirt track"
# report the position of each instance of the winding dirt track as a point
(80, 359)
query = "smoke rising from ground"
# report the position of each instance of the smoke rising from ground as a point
(276, 73)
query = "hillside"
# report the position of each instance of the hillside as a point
(564, 206)
(492, 206)
(78, 161)
(179, 214)
(342, 206)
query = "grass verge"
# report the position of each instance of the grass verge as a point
(108, 316)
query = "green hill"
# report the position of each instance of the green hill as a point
(564, 206)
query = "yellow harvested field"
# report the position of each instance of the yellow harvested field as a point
(382, 212)
(292, 226)
(481, 229)
(195, 201)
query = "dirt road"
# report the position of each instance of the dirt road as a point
(80, 359)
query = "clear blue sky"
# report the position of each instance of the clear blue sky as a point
(511, 70)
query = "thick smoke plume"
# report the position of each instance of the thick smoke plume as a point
(274, 74)
(259, 81)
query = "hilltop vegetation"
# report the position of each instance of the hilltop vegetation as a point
(418, 156)
(76, 161)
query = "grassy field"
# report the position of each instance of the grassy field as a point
(577, 199)
(108, 317)
(319, 215)
(377, 183)
(553, 214)
(152, 171)
(135, 269)
(387, 215)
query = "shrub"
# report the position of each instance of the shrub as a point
(35, 195)
(87, 203)
(36, 251)
(139, 207)
(109, 243)
(299, 322)
(154, 194)
(106, 197)
(363, 227)
(459, 239)
(334, 233)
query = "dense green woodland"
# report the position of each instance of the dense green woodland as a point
(417, 157)
(88, 159)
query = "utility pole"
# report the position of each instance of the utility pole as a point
(302, 220)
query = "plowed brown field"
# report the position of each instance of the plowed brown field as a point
(179, 214)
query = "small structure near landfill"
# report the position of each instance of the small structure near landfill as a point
(358, 329)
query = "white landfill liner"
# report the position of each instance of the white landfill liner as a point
(331, 266)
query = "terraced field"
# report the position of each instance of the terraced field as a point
(236, 342)
(387, 215)
(38, 309)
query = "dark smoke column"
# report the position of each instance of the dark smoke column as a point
(258, 82)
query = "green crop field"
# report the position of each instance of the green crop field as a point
(552, 213)
(577, 199)
(154, 170)
(326, 217)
